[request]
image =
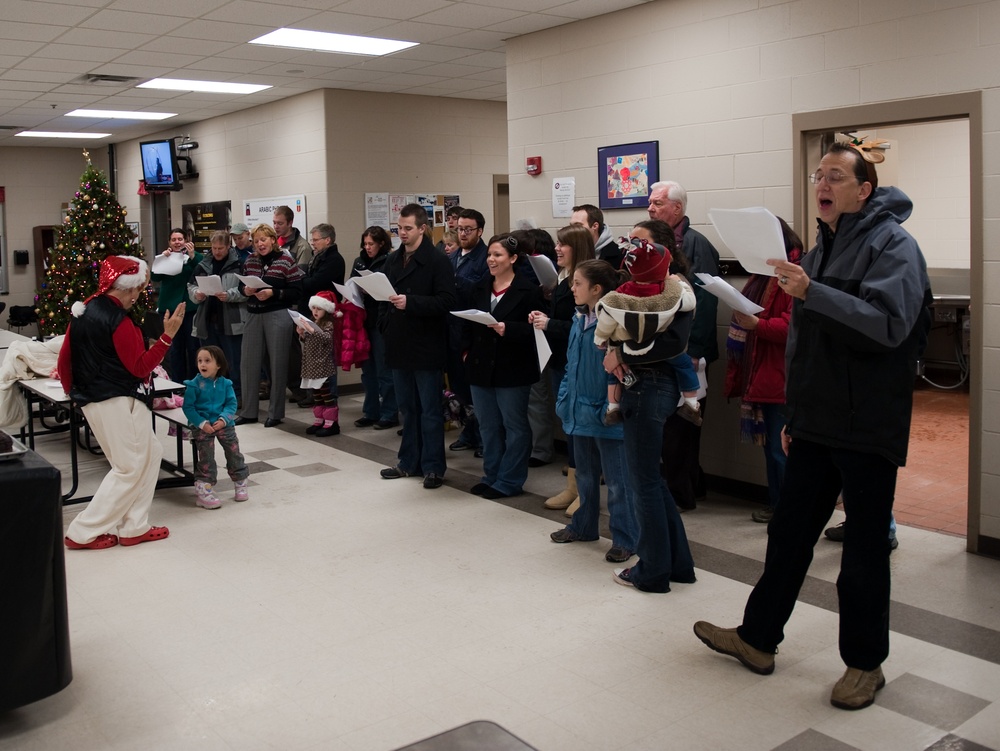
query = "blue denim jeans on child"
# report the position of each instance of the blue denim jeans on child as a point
(664, 554)
(594, 455)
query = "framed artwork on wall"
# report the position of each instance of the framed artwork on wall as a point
(625, 172)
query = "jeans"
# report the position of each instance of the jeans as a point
(815, 476)
(555, 380)
(421, 451)
(503, 412)
(594, 455)
(664, 554)
(774, 458)
(376, 377)
(458, 384)
(205, 467)
(231, 346)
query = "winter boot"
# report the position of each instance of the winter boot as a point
(206, 498)
(330, 424)
(242, 494)
(566, 497)
(318, 417)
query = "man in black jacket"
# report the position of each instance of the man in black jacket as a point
(415, 326)
(859, 321)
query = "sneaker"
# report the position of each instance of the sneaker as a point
(242, 494)
(762, 515)
(835, 533)
(728, 642)
(394, 473)
(432, 480)
(618, 554)
(460, 446)
(690, 413)
(567, 535)
(623, 576)
(206, 498)
(856, 688)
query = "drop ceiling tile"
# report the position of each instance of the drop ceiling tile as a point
(174, 44)
(95, 37)
(42, 76)
(180, 8)
(16, 48)
(133, 23)
(451, 70)
(413, 31)
(485, 60)
(80, 52)
(579, 9)
(274, 15)
(393, 8)
(166, 62)
(464, 16)
(30, 32)
(432, 53)
(43, 13)
(227, 65)
(528, 24)
(528, 6)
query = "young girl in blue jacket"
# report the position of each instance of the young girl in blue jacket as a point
(581, 404)
(210, 407)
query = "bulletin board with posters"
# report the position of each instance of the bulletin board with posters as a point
(261, 210)
(382, 210)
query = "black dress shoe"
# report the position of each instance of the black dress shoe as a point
(493, 494)
(327, 432)
(479, 488)
(460, 446)
(386, 424)
(245, 420)
(364, 422)
(271, 422)
(536, 462)
(432, 481)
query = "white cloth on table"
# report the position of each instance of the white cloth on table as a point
(24, 360)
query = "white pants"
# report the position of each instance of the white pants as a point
(124, 429)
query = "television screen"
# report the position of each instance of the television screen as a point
(159, 165)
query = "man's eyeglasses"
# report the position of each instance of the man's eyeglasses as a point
(466, 230)
(832, 178)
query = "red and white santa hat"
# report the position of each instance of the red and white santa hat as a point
(647, 261)
(117, 272)
(324, 300)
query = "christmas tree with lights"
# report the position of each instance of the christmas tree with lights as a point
(94, 229)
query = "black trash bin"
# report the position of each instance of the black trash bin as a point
(34, 623)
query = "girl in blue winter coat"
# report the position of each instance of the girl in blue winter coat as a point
(210, 407)
(581, 404)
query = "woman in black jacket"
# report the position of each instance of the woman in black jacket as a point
(503, 364)
(575, 245)
(379, 408)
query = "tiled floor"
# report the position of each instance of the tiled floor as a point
(338, 611)
(933, 489)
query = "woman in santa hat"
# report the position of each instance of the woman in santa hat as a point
(102, 364)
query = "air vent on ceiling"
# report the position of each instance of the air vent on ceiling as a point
(100, 79)
(9, 127)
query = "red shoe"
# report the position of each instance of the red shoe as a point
(153, 533)
(98, 543)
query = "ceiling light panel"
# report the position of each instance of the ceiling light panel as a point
(322, 41)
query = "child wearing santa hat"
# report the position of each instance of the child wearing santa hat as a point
(318, 362)
(636, 312)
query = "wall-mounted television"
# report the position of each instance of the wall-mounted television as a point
(159, 165)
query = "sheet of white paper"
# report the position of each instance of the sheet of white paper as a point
(169, 265)
(365, 272)
(377, 285)
(301, 320)
(545, 270)
(477, 316)
(728, 294)
(543, 349)
(210, 285)
(753, 235)
(351, 291)
(253, 282)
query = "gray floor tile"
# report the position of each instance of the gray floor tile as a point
(310, 470)
(929, 701)
(257, 467)
(813, 740)
(954, 743)
(265, 454)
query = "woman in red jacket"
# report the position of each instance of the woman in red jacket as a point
(755, 370)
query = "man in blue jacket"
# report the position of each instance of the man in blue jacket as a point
(859, 322)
